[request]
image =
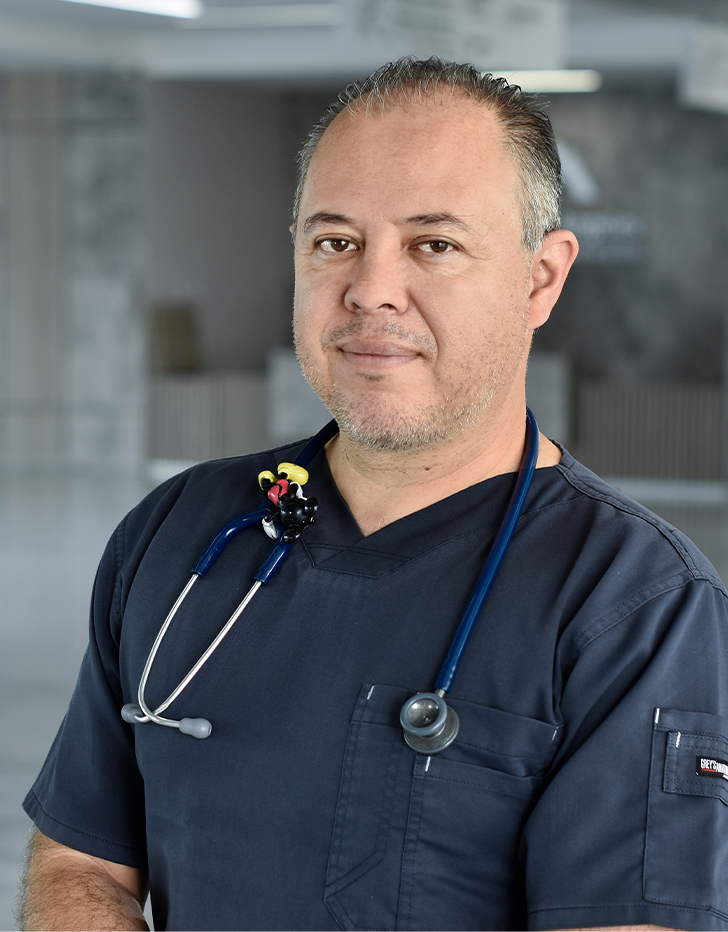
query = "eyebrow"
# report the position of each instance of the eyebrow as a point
(440, 220)
(322, 217)
(435, 219)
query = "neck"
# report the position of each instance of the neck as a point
(382, 486)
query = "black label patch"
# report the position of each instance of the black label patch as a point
(711, 767)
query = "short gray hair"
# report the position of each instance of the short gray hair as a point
(528, 134)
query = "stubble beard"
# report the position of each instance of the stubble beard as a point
(378, 423)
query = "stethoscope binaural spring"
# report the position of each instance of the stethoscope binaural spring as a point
(429, 724)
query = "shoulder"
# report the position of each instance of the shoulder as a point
(602, 564)
(604, 516)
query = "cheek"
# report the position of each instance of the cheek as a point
(303, 299)
(313, 292)
(478, 333)
(309, 323)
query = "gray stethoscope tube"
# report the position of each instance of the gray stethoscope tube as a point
(428, 723)
(139, 712)
(197, 727)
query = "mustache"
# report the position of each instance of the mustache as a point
(359, 327)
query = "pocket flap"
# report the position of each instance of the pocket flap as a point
(696, 756)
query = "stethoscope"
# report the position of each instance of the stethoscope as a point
(429, 724)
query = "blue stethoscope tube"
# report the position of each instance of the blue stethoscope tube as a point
(220, 542)
(139, 713)
(429, 724)
(495, 558)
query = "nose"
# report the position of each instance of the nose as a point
(378, 282)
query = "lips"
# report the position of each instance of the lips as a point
(377, 354)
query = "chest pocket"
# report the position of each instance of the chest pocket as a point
(432, 842)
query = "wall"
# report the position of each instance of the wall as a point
(220, 192)
(115, 193)
(72, 371)
(661, 316)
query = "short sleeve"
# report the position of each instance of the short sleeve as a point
(89, 793)
(632, 824)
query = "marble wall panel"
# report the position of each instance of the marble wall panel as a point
(30, 271)
(105, 368)
(72, 354)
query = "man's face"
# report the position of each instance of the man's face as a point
(411, 304)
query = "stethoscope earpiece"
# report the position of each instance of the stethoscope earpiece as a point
(429, 724)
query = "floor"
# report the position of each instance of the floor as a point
(52, 532)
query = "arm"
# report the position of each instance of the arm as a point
(67, 889)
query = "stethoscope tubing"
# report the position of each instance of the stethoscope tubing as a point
(267, 570)
(498, 550)
(423, 733)
(155, 715)
(428, 723)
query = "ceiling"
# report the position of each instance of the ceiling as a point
(613, 36)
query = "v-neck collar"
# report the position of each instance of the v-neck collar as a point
(335, 541)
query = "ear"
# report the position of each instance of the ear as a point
(549, 267)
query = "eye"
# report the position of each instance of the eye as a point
(335, 244)
(437, 246)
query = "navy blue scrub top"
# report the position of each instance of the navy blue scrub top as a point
(588, 785)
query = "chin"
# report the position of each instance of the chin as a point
(402, 431)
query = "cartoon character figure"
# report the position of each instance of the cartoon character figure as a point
(290, 506)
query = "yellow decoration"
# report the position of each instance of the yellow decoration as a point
(266, 474)
(293, 473)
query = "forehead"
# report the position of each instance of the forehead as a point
(446, 145)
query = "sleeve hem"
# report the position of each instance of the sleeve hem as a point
(78, 840)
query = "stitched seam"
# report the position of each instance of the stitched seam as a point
(119, 550)
(650, 594)
(485, 786)
(380, 830)
(416, 839)
(476, 747)
(600, 495)
(78, 831)
(699, 736)
(346, 776)
(405, 561)
(690, 906)
(710, 735)
(656, 757)
(716, 790)
(538, 758)
(650, 903)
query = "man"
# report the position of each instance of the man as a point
(586, 786)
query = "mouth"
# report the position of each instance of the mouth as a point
(377, 354)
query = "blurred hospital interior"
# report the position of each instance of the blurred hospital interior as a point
(147, 169)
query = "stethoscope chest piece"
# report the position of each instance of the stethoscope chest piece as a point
(428, 722)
